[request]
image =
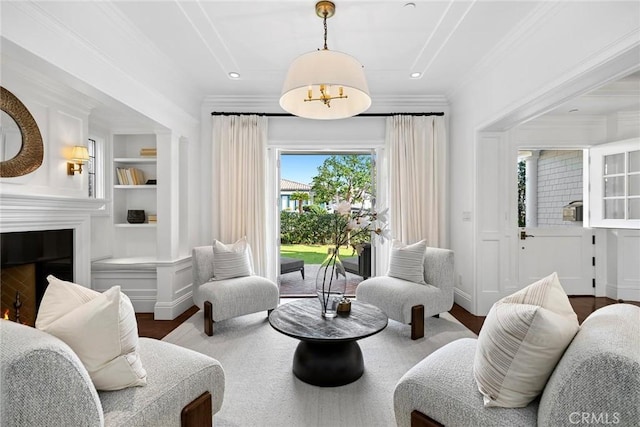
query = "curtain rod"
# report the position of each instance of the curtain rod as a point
(225, 113)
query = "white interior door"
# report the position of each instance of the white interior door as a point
(569, 251)
(548, 242)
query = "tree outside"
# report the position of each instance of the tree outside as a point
(343, 177)
(307, 233)
(300, 197)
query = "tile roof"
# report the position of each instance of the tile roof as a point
(288, 185)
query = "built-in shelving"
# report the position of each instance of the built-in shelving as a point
(143, 225)
(135, 160)
(134, 240)
(135, 187)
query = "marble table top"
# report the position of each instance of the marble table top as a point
(302, 319)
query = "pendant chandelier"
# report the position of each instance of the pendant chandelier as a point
(325, 84)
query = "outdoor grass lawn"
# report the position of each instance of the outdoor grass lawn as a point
(311, 254)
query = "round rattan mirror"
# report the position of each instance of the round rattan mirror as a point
(31, 152)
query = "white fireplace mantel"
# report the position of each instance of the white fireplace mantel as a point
(24, 212)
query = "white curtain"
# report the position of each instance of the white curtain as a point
(239, 183)
(416, 147)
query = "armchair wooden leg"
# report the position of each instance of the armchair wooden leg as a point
(418, 419)
(269, 311)
(198, 412)
(208, 318)
(417, 322)
(437, 316)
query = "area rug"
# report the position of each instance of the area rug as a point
(261, 390)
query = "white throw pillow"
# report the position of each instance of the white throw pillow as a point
(100, 328)
(231, 261)
(407, 261)
(521, 341)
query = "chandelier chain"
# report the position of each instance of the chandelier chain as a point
(325, 29)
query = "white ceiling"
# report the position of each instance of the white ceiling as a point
(195, 44)
(620, 95)
(259, 39)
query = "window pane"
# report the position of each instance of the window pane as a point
(634, 185)
(92, 185)
(613, 164)
(634, 161)
(614, 209)
(614, 186)
(634, 209)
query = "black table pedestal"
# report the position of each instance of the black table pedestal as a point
(328, 354)
(328, 364)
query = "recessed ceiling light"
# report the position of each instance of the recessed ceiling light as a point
(410, 5)
(574, 110)
(415, 75)
(234, 75)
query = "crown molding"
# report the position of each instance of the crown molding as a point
(380, 104)
(568, 121)
(41, 87)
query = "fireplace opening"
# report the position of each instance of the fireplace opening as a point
(26, 259)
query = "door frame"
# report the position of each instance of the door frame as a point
(489, 285)
(275, 152)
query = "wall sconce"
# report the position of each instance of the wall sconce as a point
(79, 156)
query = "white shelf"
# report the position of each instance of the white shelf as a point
(135, 187)
(134, 241)
(127, 225)
(134, 160)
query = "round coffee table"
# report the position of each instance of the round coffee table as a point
(328, 354)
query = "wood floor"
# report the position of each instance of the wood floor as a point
(583, 306)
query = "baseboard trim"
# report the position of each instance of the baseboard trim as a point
(143, 305)
(628, 294)
(463, 299)
(173, 309)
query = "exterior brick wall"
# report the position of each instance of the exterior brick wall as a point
(559, 182)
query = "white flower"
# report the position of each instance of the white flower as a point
(363, 222)
(382, 232)
(382, 215)
(353, 225)
(343, 208)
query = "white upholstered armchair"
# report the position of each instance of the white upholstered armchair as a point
(409, 302)
(230, 297)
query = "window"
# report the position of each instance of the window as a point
(95, 167)
(615, 184)
(91, 169)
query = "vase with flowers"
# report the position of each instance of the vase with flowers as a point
(348, 225)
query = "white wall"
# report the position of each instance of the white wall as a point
(62, 125)
(65, 85)
(539, 68)
(48, 198)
